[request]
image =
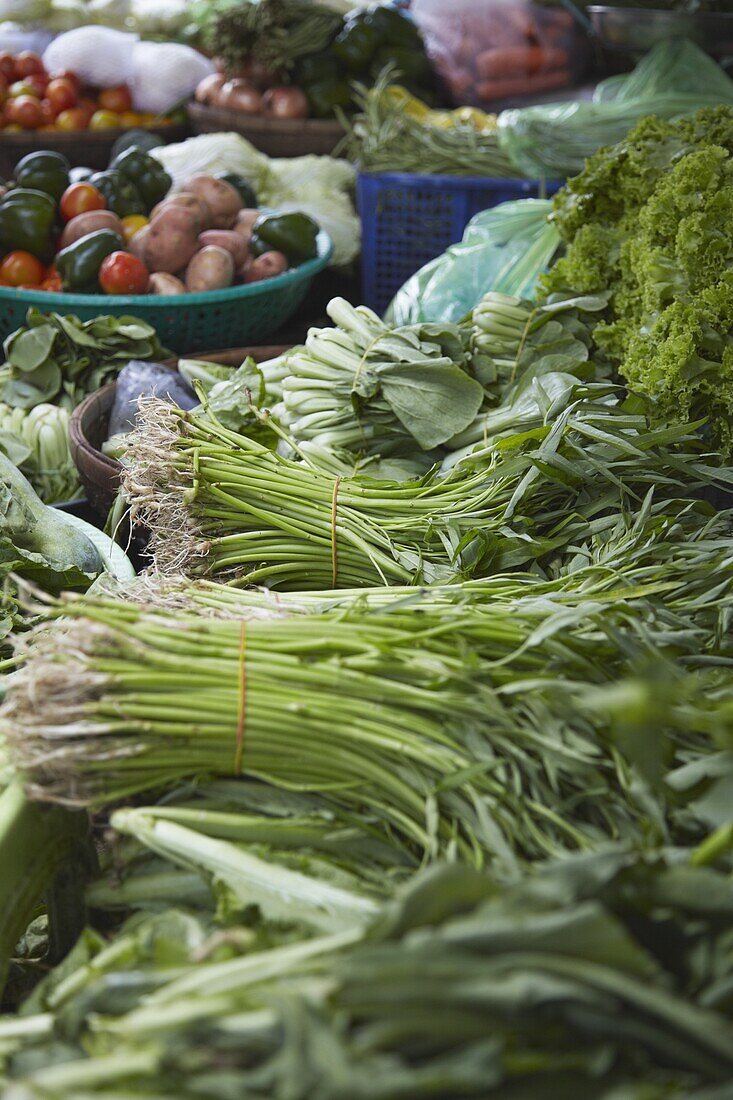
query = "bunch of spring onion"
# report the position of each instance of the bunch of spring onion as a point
(364, 387)
(445, 724)
(218, 502)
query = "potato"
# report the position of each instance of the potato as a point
(172, 240)
(227, 238)
(210, 269)
(139, 242)
(223, 200)
(244, 221)
(90, 222)
(163, 283)
(266, 266)
(190, 202)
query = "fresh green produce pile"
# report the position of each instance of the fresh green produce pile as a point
(444, 809)
(51, 364)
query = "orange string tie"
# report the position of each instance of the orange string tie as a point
(334, 545)
(242, 714)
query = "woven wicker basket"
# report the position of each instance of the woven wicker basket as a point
(82, 148)
(277, 137)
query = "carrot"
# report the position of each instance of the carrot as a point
(488, 90)
(516, 61)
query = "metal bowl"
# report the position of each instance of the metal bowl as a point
(635, 30)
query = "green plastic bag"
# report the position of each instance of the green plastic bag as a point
(504, 249)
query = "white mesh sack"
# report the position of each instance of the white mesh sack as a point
(164, 74)
(99, 56)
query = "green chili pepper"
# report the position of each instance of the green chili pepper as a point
(79, 264)
(27, 220)
(294, 234)
(325, 96)
(43, 171)
(146, 173)
(122, 195)
(243, 186)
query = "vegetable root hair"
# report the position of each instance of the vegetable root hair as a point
(156, 481)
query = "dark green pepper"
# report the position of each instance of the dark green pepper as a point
(327, 95)
(294, 234)
(413, 67)
(393, 28)
(27, 220)
(146, 173)
(356, 45)
(43, 171)
(135, 139)
(242, 186)
(314, 68)
(122, 195)
(79, 264)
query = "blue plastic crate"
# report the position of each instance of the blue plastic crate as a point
(408, 220)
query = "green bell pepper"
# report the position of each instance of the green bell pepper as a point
(122, 195)
(146, 173)
(293, 234)
(325, 96)
(356, 45)
(27, 222)
(242, 186)
(394, 28)
(314, 68)
(413, 67)
(43, 171)
(135, 139)
(79, 264)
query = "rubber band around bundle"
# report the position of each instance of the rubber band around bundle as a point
(242, 711)
(334, 544)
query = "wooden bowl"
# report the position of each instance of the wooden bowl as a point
(82, 148)
(277, 137)
(99, 474)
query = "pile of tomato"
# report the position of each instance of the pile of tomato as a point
(33, 99)
(120, 272)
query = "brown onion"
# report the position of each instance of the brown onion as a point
(238, 95)
(208, 89)
(256, 73)
(285, 102)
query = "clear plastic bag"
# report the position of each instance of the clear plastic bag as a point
(491, 52)
(674, 79)
(504, 249)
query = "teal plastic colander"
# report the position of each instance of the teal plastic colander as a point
(234, 317)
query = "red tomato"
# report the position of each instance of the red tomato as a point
(25, 111)
(28, 62)
(21, 87)
(66, 74)
(7, 66)
(37, 84)
(62, 94)
(88, 106)
(117, 99)
(52, 280)
(73, 119)
(48, 112)
(123, 273)
(80, 198)
(22, 269)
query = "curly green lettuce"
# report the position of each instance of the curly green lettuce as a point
(651, 220)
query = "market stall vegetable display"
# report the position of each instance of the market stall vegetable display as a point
(125, 225)
(404, 768)
(289, 59)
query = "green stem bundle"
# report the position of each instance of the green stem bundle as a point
(218, 502)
